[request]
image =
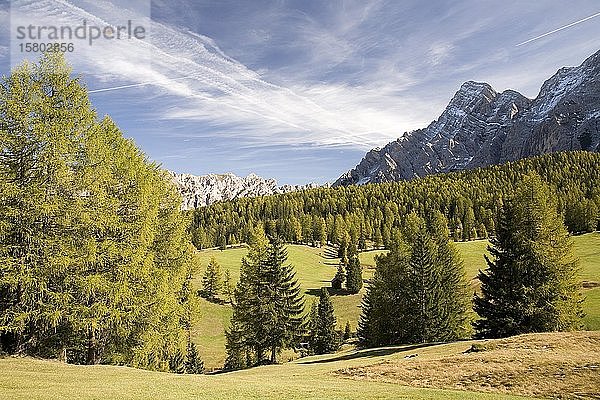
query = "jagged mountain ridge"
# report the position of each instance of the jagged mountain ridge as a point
(482, 127)
(199, 191)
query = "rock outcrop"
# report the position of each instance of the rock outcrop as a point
(481, 127)
(199, 191)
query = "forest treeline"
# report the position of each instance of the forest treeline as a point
(365, 215)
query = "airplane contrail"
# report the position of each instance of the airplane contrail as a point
(559, 29)
(137, 85)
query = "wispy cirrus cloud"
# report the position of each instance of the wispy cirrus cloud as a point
(215, 87)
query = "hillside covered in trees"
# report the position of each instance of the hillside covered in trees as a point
(365, 215)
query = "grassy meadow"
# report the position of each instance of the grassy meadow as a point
(500, 369)
(316, 266)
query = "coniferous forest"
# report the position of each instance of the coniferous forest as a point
(367, 215)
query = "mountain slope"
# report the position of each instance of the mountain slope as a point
(200, 191)
(481, 127)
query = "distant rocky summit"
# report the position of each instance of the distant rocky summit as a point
(481, 127)
(199, 191)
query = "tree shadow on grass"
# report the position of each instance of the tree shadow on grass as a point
(369, 353)
(332, 291)
(330, 253)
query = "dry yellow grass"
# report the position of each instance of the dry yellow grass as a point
(563, 365)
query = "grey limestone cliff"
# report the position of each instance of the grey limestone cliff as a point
(481, 127)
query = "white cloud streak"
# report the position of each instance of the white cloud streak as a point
(559, 29)
(209, 86)
(110, 89)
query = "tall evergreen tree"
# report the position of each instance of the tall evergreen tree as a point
(193, 362)
(418, 293)
(323, 336)
(228, 287)
(235, 346)
(177, 362)
(211, 281)
(530, 284)
(383, 318)
(354, 280)
(377, 238)
(268, 309)
(347, 331)
(287, 322)
(468, 224)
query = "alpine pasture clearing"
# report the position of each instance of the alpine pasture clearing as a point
(547, 365)
(315, 267)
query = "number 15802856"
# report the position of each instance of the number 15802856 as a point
(46, 47)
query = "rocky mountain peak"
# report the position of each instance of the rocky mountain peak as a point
(481, 127)
(472, 93)
(199, 191)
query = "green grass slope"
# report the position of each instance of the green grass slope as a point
(541, 365)
(28, 379)
(587, 248)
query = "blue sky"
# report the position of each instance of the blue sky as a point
(300, 90)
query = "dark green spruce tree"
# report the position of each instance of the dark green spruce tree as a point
(212, 283)
(354, 280)
(287, 322)
(383, 319)
(323, 336)
(177, 362)
(530, 284)
(268, 308)
(419, 292)
(248, 332)
(238, 353)
(193, 362)
(347, 331)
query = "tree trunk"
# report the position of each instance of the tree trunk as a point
(91, 350)
(62, 356)
(259, 355)
(273, 355)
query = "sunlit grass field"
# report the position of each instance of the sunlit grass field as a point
(315, 267)
(501, 369)
(28, 379)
